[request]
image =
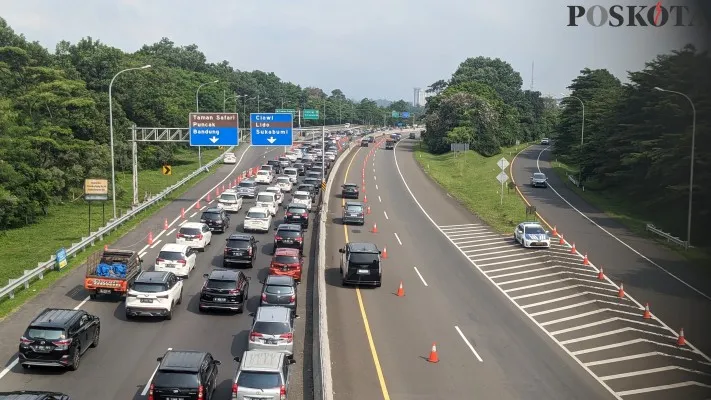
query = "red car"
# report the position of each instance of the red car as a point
(287, 261)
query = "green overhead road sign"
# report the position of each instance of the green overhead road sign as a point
(395, 114)
(286, 110)
(310, 113)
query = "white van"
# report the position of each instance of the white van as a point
(267, 200)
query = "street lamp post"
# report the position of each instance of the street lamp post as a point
(691, 168)
(197, 109)
(582, 135)
(111, 135)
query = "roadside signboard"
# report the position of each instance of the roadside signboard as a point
(310, 113)
(271, 129)
(214, 129)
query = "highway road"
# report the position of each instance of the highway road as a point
(380, 342)
(679, 295)
(120, 368)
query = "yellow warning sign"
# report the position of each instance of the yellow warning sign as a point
(167, 170)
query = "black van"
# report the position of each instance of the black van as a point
(360, 264)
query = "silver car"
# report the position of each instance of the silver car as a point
(247, 188)
(262, 375)
(539, 180)
(272, 330)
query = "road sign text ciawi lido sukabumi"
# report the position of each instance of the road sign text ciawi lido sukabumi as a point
(271, 129)
(214, 129)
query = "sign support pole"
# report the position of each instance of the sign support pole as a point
(89, 218)
(134, 156)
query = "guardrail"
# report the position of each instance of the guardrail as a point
(670, 239)
(38, 273)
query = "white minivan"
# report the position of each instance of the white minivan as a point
(267, 200)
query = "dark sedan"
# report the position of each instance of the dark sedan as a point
(350, 191)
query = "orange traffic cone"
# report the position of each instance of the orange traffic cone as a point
(363, 183)
(433, 358)
(375, 228)
(368, 210)
(229, 185)
(601, 275)
(400, 291)
(572, 249)
(182, 213)
(681, 340)
(106, 247)
(217, 191)
(555, 231)
(647, 314)
(208, 197)
(621, 292)
(363, 188)
(585, 259)
(197, 205)
(365, 199)
(150, 238)
(165, 224)
(562, 240)
(223, 188)
(385, 252)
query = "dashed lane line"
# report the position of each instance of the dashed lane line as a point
(420, 275)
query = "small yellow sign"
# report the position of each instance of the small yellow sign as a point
(323, 185)
(96, 186)
(167, 170)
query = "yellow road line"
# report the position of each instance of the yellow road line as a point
(368, 333)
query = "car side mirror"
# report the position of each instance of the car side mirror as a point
(292, 361)
(159, 359)
(262, 282)
(256, 241)
(341, 251)
(217, 362)
(205, 276)
(251, 315)
(237, 359)
(249, 278)
(296, 316)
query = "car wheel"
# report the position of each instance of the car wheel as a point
(169, 316)
(97, 333)
(76, 358)
(25, 366)
(92, 296)
(180, 298)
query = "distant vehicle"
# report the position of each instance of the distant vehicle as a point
(247, 188)
(364, 142)
(532, 234)
(277, 166)
(539, 179)
(291, 156)
(289, 235)
(545, 141)
(353, 212)
(347, 125)
(303, 197)
(292, 173)
(297, 213)
(264, 177)
(240, 249)
(230, 200)
(224, 290)
(177, 258)
(262, 373)
(350, 191)
(272, 330)
(360, 264)
(279, 291)
(284, 183)
(58, 338)
(184, 375)
(279, 196)
(216, 219)
(287, 261)
(154, 294)
(258, 219)
(229, 158)
(412, 135)
(389, 144)
(267, 200)
(111, 272)
(194, 234)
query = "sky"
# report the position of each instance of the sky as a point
(367, 48)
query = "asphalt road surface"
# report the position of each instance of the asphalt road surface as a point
(380, 342)
(120, 368)
(679, 295)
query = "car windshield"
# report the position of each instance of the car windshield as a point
(277, 289)
(256, 214)
(237, 244)
(176, 379)
(539, 176)
(354, 208)
(213, 216)
(265, 198)
(220, 284)
(534, 230)
(259, 380)
(301, 196)
(148, 287)
(190, 231)
(286, 259)
(363, 258)
(228, 197)
(288, 234)
(45, 333)
(271, 328)
(247, 184)
(297, 210)
(170, 255)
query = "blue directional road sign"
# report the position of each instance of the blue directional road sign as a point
(214, 129)
(271, 129)
(404, 114)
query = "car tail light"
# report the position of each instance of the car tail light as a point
(159, 260)
(288, 214)
(254, 335)
(282, 392)
(288, 336)
(249, 251)
(235, 388)
(199, 236)
(150, 392)
(62, 344)
(292, 299)
(201, 390)
(299, 239)
(25, 340)
(305, 215)
(264, 297)
(179, 235)
(227, 250)
(182, 262)
(277, 238)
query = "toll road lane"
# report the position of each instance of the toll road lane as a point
(121, 366)
(484, 343)
(680, 294)
(604, 329)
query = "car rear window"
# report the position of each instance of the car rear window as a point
(147, 287)
(363, 258)
(171, 379)
(228, 197)
(220, 284)
(298, 210)
(286, 259)
(256, 214)
(265, 198)
(271, 328)
(247, 184)
(189, 231)
(354, 208)
(237, 244)
(284, 179)
(170, 255)
(272, 162)
(211, 216)
(301, 197)
(291, 171)
(277, 289)
(311, 181)
(45, 333)
(259, 380)
(288, 234)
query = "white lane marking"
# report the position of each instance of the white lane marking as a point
(155, 244)
(170, 232)
(414, 198)
(143, 250)
(379, 199)
(398, 239)
(174, 221)
(538, 166)
(375, 178)
(376, 186)
(159, 234)
(420, 275)
(202, 208)
(82, 303)
(148, 384)
(193, 214)
(446, 227)
(653, 371)
(373, 170)
(464, 338)
(183, 223)
(210, 202)
(664, 387)
(142, 254)
(386, 215)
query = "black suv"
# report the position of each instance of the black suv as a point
(350, 191)
(58, 338)
(360, 264)
(184, 375)
(364, 142)
(289, 235)
(300, 167)
(216, 219)
(224, 290)
(316, 182)
(297, 213)
(279, 290)
(33, 395)
(307, 187)
(240, 249)
(276, 166)
(353, 212)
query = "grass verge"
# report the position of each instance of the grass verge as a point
(628, 214)
(65, 224)
(471, 179)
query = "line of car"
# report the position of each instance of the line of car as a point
(59, 337)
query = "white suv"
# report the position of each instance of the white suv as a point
(267, 200)
(197, 235)
(292, 173)
(176, 258)
(154, 294)
(277, 192)
(230, 201)
(532, 234)
(264, 177)
(301, 197)
(284, 183)
(258, 219)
